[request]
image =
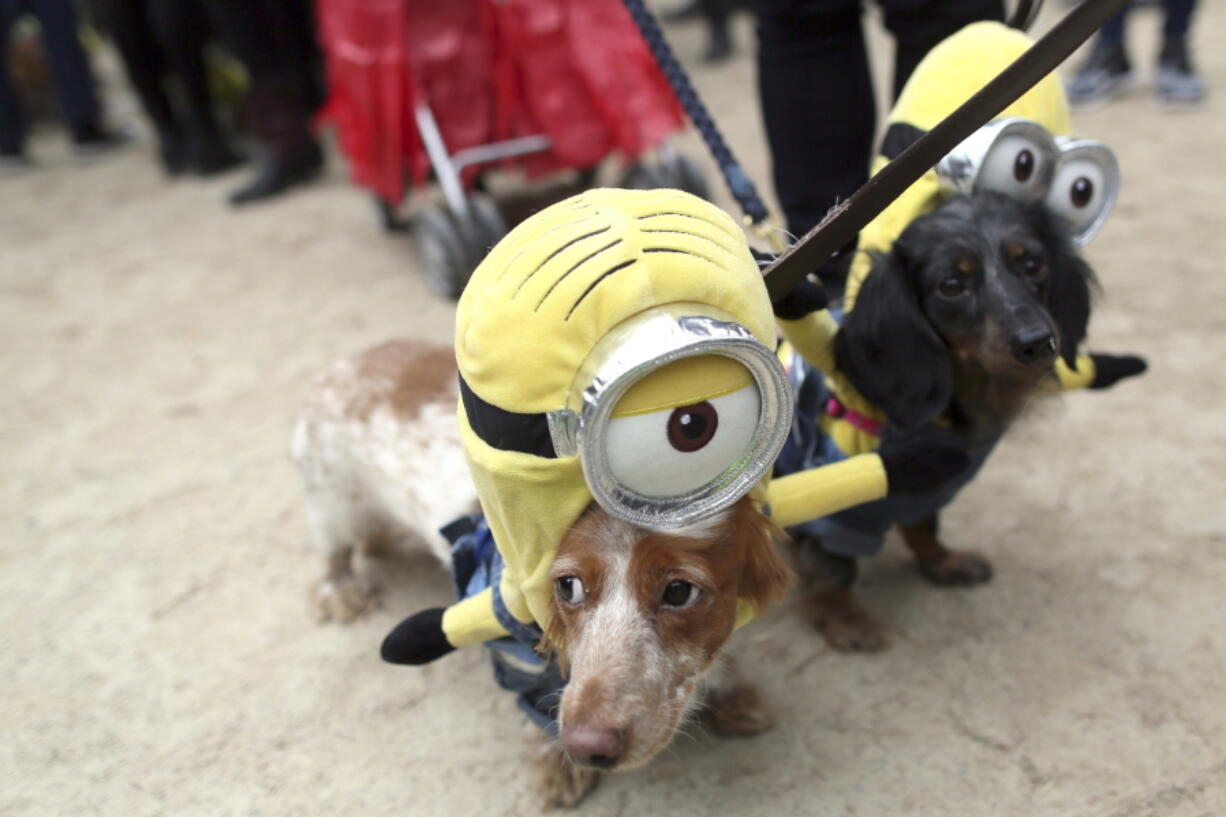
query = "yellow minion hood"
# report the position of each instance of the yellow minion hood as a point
(531, 316)
(617, 347)
(948, 76)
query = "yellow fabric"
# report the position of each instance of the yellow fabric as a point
(534, 309)
(1080, 378)
(948, 76)
(818, 492)
(683, 383)
(812, 337)
(472, 620)
(531, 314)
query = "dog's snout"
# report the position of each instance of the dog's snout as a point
(1034, 345)
(598, 746)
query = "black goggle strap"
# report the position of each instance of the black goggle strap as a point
(843, 224)
(507, 430)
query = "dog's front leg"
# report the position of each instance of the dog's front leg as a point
(559, 782)
(826, 581)
(938, 563)
(733, 706)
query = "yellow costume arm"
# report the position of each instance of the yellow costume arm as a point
(1079, 378)
(813, 337)
(472, 620)
(821, 491)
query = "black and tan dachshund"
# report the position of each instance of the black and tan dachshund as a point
(953, 333)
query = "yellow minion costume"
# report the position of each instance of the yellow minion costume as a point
(617, 347)
(1026, 153)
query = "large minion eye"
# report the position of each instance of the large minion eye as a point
(1079, 193)
(674, 451)
(692, 427)
(1016, 166)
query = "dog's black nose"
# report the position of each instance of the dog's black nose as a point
(1034, 345)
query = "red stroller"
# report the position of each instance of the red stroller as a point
(456, 88)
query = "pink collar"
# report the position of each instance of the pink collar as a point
(866, 424)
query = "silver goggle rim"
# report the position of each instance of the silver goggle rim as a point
(643, 345)
(1104, 157)
(959, 170)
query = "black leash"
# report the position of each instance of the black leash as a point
(844, 222)
(739, 183)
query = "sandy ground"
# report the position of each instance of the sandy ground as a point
(156, 656)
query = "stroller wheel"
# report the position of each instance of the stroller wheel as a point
(483, 229)
(645, 177)
(684, 173)
(440, 250)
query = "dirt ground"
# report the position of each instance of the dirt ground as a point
(156, 656)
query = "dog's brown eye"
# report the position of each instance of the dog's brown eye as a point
(1023, 166)
(680, 594)
(952, 286)
(692, 427)
(1032, 265)
(570, 590)
(1081, 192)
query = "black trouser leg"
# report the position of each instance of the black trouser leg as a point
(817, 103)
(12, 123)
(129, 25)
(281, 99)
(70, 72)
(182, 29)
(917, 28)
(1178, 18)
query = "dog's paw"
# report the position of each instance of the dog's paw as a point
(738, 711)
(343, 599)
(845, 625)
(560, 783)
(958, 568)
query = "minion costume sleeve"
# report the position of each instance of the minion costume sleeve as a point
(833, 421)
(616, 347)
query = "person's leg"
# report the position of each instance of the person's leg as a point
(129, 26)
(1177, 80)
(182, 29)
(719, 36)
(1112, 32)
(817, 104)
(1178, 18)
(918, 27)
(12, 123)
(278, 106)
(298, 44)
(1107, 72)
(70, 71)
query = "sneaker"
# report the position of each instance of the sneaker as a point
(1177, 82)
(1106, 74)
(92, 140)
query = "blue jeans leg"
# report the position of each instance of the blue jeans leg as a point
(70, 72)
(12, 126)
(1178, 18)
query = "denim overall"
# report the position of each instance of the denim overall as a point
(860, 530)
(475, 565)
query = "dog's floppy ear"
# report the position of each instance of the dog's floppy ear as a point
(1072, 280)
(765, 576)
(1068, 302)
(888, 349)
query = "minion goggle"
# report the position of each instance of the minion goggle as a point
(1079, 179)
(674, 414)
